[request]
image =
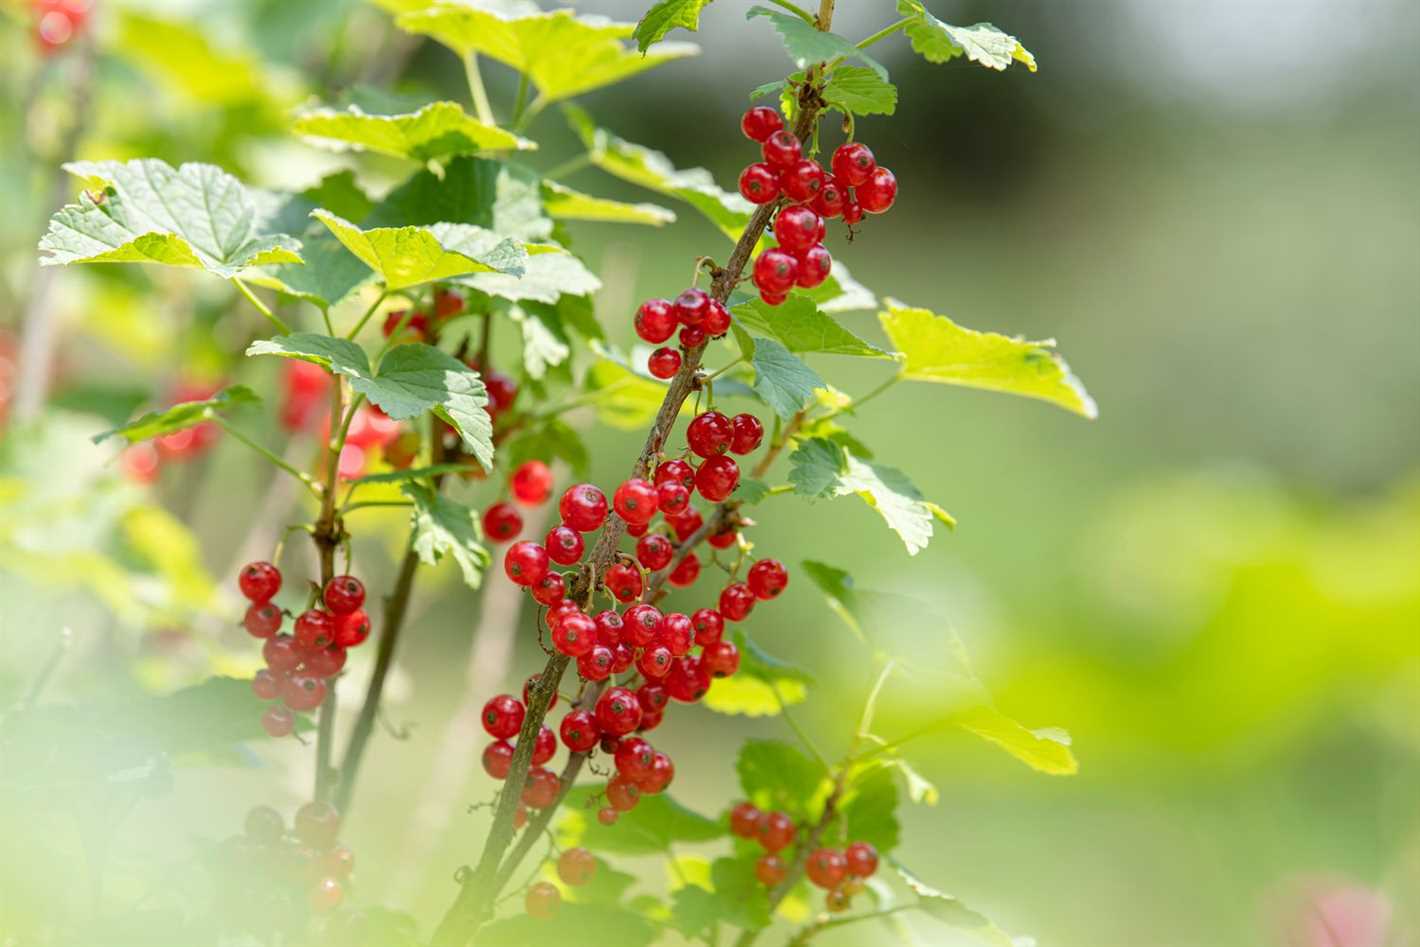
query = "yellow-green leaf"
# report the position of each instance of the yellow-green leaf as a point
(938, 42)
(936, 349)
(181, 57)
(408, 256)
(437, 130)
(564, 203)
(622, 398)
(1046, 750)
(666, 16)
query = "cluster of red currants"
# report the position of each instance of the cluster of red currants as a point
(299, 664)
(575, 867)
(699, 315)
(56, 22)
(840, 873)
(858, 184)
(309, 852)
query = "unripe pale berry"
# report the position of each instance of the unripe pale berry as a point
(542, 900)
(576, 866)
(278, 721)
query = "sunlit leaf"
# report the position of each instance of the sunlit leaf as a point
(800, 326)
(546, 277)
(939, 42)
(869, 809)
(328, 271)
(762, 686)
(181, 57)
(437, 130)
(444, 527)
(622, 398)
(777, 775)
(180, 416)
(564, 203)
(666, 16)
(1046, 750)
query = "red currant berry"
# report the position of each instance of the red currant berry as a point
(672, 498)
(759, 184)
(339, 862)
(661, 774)
(744, 820)
(259, 581)
(609, 627)
(447, 303)
(878, 193)
(528, 686)
(415, 326)
(327, 895)
(564, 545)
(736, 601)
(597, 664)
(637, 530)
(532, 482)
(326, 662)
(721, 659)
(579, 731)
(317, 824)
(498, 759)
(503, 716)
(264, 825)
(501, 522)
(655, 321)
(746, 433)
(773, 299)
(776, 830)
(525, 563)
(610, 742)
(829, 202)
(709, 434)
(640, 623)
(782, 149)
(676, 633)
(544, 746)
(576, 866)
(343, 594)
(767, 578)
(618, 711)
(654, 662)
(724, 537)
(265, 685)
(709, 626)
(624, 581)
(622, 794)
(635, 500)
(575, 635)
(853, 164)
(351, 630)
(686, 572)
(803, 181)
(796, 228)
(315, 629)
(815, 264)
(262, 620)
(663, 363)
(770, 870)
(826, 867)
(606, 815)
(653, 698)
(760, 122)
(550, 590)
(634, 757)
(502, 391)
(281, 654)
(691, 337)
(541, 789)
(852, 212)
(623, 658)
(675, 471)
(717, 319)
(687, 681)
(278, 721)
(542, 900)
(691, 307)
(654, 551)
(862, 859)
(650, 721)
(583, 507)
(775, 271)
(717, 478)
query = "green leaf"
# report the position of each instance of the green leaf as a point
(769, 88)
(1045, 750)
(545, 344)
(550, 439)
(179, 56)
(744, 901)
(573, 923)
(777, 775)
(437, 130)
(840, 292)
(837, 588)
(751, 491)
(495, 195)
(822, 468)
(949, 910)
(782, 380)
(858, 90)
(920, 789)
(936, 349)
(666, 16)
(808, 45)
(696, 911)
(445, 527)
(180, 416)
(328, 272)
(622, 398)
(653, 170)
(763, 685)
(563, 203)
(410, 256)
(869, 809)
(546, 278)
(146, 212)
(562, 53)
(800, 326)
(338, 356)
(657, 822)
(939, 42)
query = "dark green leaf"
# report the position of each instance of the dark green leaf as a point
(339, 356)
(769, 88)
(413, 379)
(446, 527)
(860, 91)
(497, 196)
(776, 775)
(870, 809)
(808, 45)
(666, 16)
(781, 379)
(939, 42)
(180, 416)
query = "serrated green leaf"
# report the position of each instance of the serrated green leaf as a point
(179, 417)
(338, 356)
(695, 911)
(657, 822)
(869, 809)
(751, 491)
(622, 398)
(437, 130)
(949, 910)
(546, 277)
(781, 379)
(761, 687)
(936, 349)
(777, 775)
(816, 467)
(410, 256)
(744, 901)
(666, 16)
(544, 341)
(939, 42)
(653, 170)
(563, 203)
(800, 326)
(564, 54)
(444, 527)
(146, 212)
(860, 91)
(808, 45)
(495, 195)
(769, 88)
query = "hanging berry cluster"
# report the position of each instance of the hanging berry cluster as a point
(299, 664)
(858, 184)
(307, 855)
(840, 873)
(699, 316)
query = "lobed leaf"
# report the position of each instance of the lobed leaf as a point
(781, 379)
(444, 527)
(869, 809)
(940, 42)
(859, 90)
(437, 130)
(179, 417)
(546, 278)
(328, 272)
(495, 195)
(777, 775)
(666, 16)
(936, 349)
(800, 326)
(808, 45)
(563, 203)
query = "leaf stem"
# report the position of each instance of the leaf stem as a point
(261, 307)
(799, 731)
(885, 32)
(384, 294)
(860, 401)
(711, 377)
(481, 106)
(797, 10)
(270, 455)
(521, 102)
(576, 163)
(375, 504)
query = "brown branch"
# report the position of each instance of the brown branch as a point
(326, 536)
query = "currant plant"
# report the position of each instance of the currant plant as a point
(383, 313)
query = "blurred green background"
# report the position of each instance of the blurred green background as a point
(1215, 587)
